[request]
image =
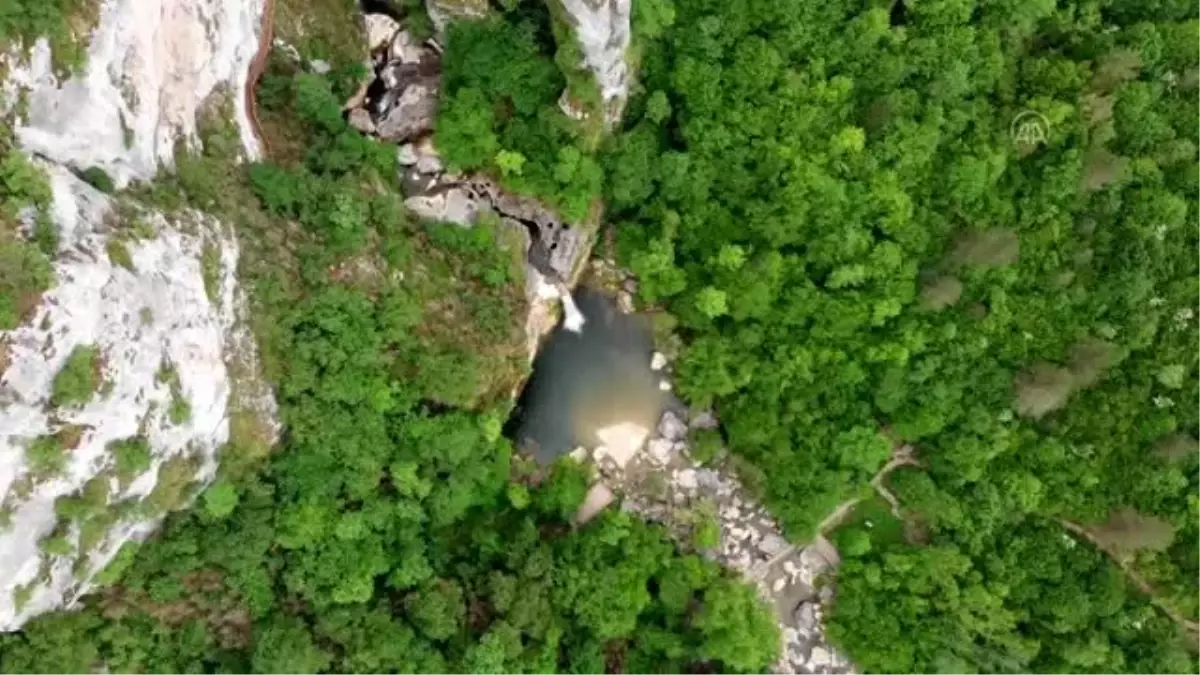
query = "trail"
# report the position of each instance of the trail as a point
(257, 67)
(1190, 627)
(902, 456)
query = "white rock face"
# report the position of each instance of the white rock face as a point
(442, 12)
(139, 319)
(151, 64)
(602, 30)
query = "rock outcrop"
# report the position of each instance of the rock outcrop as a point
(442, 12)
(400, 107)
(151, 64)
(152, 300)
(162, 312)
(601, 28)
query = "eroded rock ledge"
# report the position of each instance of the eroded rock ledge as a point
(399, 106)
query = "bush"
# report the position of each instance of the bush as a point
(132, 457)
(78, 379)
(98, 178)
(46, 455)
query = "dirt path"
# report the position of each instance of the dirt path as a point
(1191, 627)
(902, 456)
(905, 456)
(265, 40)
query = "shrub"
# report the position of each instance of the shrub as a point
(46, 455)
(98, 178)
(132, 457)
(80, 376)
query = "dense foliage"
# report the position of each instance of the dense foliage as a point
(499, 112)
(393, 530)
(961, 226)
(63, 23)
(24, 261)
(867, 244)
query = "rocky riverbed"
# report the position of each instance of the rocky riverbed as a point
(657, 477)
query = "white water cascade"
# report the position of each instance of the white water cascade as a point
(572, 318)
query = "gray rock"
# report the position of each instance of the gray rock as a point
(411, 114)
(772, 545)
(442, 12)
(806, 616)
(361, 120)
(320, 66)
(429, 163)
(406, 155)
(454, 205)
(404, 48)
(659, 450)
(686, 479)
(671, 427)
(598, 498)
(711, 480)
(601, 29)
(819, 657)
(559, 244)
(658, 361)
(380, 29)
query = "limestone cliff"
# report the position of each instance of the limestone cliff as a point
(144, 308)
(600, 30)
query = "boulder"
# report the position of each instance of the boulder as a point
(428, 159)
(406, 155)
(598, 498)
(452, 205)
(411, 113)
(820, 657)
(659, 450)
(671, 427)
(806, 617)
(686, 479)
(360, 120)
(658, 361)
(380, 29)
(772, 545)
(404, 48)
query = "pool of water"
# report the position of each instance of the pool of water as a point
(589, 382)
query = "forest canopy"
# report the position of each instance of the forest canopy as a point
(393, 529)
(964, 228)
(961, 233)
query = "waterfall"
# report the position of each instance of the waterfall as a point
(572, 317)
